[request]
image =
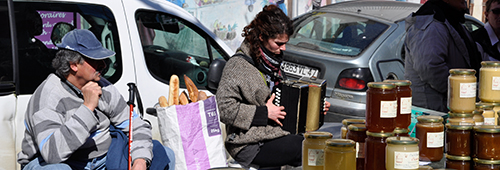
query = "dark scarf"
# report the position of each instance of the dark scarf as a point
(443, 11)
(270, 63)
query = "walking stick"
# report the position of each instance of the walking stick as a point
(131, 90)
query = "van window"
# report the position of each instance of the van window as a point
(35, 22)
(172, 45)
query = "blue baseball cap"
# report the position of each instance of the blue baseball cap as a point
(84, 42)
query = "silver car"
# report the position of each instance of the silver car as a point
(350, 44)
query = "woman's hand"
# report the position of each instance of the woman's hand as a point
(275, 112)
(327, 107)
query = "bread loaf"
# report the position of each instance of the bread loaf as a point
(202, 95)
(163, 101)
(183, 98)
(192, 89)
(173, 94)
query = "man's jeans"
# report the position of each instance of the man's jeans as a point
(98, 163)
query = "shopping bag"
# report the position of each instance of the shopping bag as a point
(194, 133)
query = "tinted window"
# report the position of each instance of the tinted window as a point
(36, 49)
(6, 64)
(174, 46)
(336, 33)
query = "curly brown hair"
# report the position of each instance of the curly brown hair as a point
(269, 23)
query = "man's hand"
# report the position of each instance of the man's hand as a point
(275, 112)
(91, 94)
(139, 164)
(327, 107)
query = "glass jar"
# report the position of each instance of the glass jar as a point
(462, 90)
(313, 149)
(489, 81)
(486, 142)
(481, 164)
(347, 122)
(430, 132)
(381, 107)
(404, 94)
(458, 162)
(340, 154)
(375, 144)
(488, 112)
(401, 153)
(357, 133)
(459, 139)
(401, 132)
(460, 118)
(478, 117)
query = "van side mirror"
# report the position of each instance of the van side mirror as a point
(214, 73)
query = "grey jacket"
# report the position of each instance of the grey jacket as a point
(241, 90)
(432, 49)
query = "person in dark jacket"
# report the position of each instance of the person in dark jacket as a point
(488, 35)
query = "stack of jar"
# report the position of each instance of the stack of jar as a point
(321, 152)
(388, 109)
(489, 88)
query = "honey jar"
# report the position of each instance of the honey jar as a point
(313, 149)
(486, 142)
(402, 153)
(481, 164)
(458, 162)
(381, 107)
(347, 122)
(340, 154)
(357, 133)
(462, 90)
(404, 96)
(430, 132)
(488, 112)
(461, 118)
(375, 144)
(478, 117)
(459, 139)
(489, 81)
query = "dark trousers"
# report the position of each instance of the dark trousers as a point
(286, 150)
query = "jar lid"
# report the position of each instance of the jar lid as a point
(451, 114)
(425, 167)
(357, 127)
(459, 127)
(399, 82)
(347, 122)
(487, 128)
(490, 63)
(402, 140)
(400, 130)
(381, 85)
(458, 158)
(340, 142)
(462, 71)
(477, 112)
(486, 106)
(486, 161)
(429, 119)
(318, 135)
(381, 135)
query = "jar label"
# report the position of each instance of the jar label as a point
(489, 121)
(405, 105)
(315, 157)
(388, 109)
(406, 160)
(495, 83)
(435, 139)
(468, 90)
(360, 150)
(479, 123)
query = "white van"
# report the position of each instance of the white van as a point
(152, 39)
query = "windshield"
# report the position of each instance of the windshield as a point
(336, 33)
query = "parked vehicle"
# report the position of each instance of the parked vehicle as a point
(350, 44)
(152, 39)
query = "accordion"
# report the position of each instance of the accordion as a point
(304, 101)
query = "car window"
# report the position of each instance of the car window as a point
(471, 26)
(35, 22)
(336, 33)
(6, 63)
(172, 45)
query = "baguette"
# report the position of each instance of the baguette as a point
(163, 101)
(173, 94)
(183, 98)
(192, 89)
(202, 95)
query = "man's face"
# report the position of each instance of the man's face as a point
(460, 5)
(493, 15)
(90, 69)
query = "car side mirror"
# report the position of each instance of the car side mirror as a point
(214, 73)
